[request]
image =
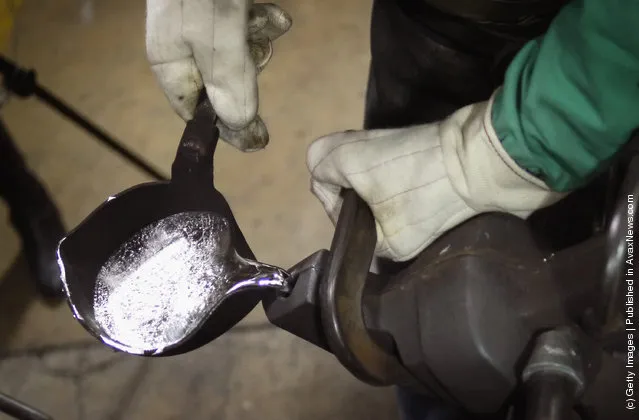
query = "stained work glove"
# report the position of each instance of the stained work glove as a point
(421, 181)
(221, 45)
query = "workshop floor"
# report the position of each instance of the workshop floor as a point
(91, 53)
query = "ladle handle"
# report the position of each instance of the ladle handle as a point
(342, 289)
(355, 226)
(194, 159)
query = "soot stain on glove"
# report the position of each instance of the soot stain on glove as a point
(268, 20)
(251, 138)
(261, 52)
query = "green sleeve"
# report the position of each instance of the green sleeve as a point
(570, 99)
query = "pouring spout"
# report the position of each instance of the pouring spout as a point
(256, 275)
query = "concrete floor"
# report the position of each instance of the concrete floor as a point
(314, 85)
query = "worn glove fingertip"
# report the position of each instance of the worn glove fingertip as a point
(382, 247)
(252, 138)
(329, 197)
(281, 18)
(314, 154)
(329, 154)
(320, 152)
(235, 103)
(268, 20)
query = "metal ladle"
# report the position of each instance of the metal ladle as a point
(159, 286)
(143, 227)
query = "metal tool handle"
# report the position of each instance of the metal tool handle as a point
(342, 290)
(24, 83)
(353, 245)
(194, 159)
(304, 312)
(356, 220)
(20, 410)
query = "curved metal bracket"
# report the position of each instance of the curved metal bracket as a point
(341, 294)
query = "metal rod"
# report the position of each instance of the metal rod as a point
(19, 410)
(23, 83)
(549, 397)
(48, 98)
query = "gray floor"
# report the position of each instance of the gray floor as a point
(314, 85)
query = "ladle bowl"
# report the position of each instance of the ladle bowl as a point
(83, 253)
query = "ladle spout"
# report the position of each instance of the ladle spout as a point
(262, 276)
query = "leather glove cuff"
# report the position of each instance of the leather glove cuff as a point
(482, 172)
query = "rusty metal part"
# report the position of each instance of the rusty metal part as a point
(341, 295)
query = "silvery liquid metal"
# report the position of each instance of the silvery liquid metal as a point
(159, 287)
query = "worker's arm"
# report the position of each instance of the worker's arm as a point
(570, 99)
(569, 102)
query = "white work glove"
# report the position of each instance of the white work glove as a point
(221, 45)
(421, 181)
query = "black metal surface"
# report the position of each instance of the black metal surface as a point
(299, 312)
(549, 397)
(20, 410)
(577, 271)
(24, 83)
(620, 233)
(85, 249)
(604, 398)
(471, 302)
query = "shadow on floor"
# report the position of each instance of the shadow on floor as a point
(17, 291)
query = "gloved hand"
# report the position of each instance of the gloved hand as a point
(221, 45)
(421, 181)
